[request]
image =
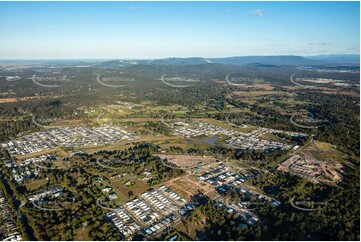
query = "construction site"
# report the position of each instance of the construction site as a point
(306, 166)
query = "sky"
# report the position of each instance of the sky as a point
(136, 30)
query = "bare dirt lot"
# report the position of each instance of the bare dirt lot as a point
(188, 161)
(187, 187)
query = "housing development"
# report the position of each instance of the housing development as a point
(65, 137)
(252, 140)
(11, 231)
(154, 210)
(201, 129)
(180, 121)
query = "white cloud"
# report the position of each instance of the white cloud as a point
(355, 48)
(135, 7)
(256, 12)
(319, 43)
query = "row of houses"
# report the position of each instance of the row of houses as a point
(254, 143)
(213, 172)
(253, 140)
(172, 195)
(74, 136)
(21, 171)
(142, 211)
(123, 221)
(159, 225)
(238, 140)
(149, 213)
(247, 217)
(158, 201)
(53, 191)
(37, 159)
(12, 231)
(222, 178)
(203, 129)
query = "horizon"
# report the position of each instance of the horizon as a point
(173, 57)
(115, 30)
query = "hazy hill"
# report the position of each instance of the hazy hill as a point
(338, 59)
(271, 61)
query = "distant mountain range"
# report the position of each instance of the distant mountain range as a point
(340, 59)
(285, 60)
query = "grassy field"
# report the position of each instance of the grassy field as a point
(191, 227)
(258, 93)
(157, 140)
(324, 146)
(60, 152)
(122, 190)
(270, 136)
(35, 184)
(73, 122)
(81, 234)
(20, 99)
(225, 125)
(169, 108)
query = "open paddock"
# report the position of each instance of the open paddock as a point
(189, 162)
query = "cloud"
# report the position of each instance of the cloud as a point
(135, 7)
(319, 43)
(354, 48)
(257, 13)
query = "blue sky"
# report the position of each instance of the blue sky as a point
(61, 30)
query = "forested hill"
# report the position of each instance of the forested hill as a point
(286, 60)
